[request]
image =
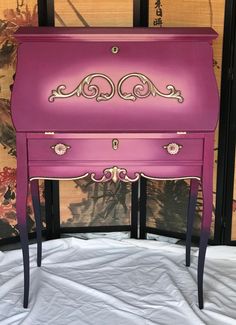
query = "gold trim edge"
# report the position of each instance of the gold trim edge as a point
(115, 178)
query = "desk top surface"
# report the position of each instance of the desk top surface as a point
(115, 33)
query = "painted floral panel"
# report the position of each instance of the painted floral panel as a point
(90, 13)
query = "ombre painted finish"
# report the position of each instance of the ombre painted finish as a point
(135, 103)
(149, 52)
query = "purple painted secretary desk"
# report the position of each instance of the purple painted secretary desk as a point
(115, 104)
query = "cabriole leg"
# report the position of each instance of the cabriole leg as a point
(37, 214)
(205, 233)
(21, 208)
(190, 216)
(207, 194)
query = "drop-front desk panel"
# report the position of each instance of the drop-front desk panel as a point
(115, 104)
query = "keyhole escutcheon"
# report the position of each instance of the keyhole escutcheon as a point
(115, 144)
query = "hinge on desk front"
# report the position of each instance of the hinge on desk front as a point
(49, 132)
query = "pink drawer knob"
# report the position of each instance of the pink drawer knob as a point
(60, 148)
(173, 148)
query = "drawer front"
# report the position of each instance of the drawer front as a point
(115, 149)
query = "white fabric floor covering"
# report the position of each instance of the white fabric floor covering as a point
(117, 282)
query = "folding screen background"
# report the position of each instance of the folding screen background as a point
(91, 13)
(84, 203)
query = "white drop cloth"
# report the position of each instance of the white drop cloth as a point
(112, 282)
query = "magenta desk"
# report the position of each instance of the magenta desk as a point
(115, 104)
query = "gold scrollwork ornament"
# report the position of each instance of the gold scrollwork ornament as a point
(115, 174)
(94, 90)
(139, 89)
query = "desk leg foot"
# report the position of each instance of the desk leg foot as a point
(201, 262)
(190, 217)
(36, 205)
(25, 250)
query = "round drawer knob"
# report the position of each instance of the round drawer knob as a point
(60, 148)
(173, 148)
(115, 49)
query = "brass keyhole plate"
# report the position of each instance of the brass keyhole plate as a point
(115, 144)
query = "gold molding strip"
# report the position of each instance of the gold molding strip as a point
(94, 90)
(60, 178)
(139, 89)
(170, 178)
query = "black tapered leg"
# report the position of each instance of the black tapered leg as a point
(134, 210)
(190, 217)
(143, 208)
(205, 233)
(207, 193)
(37, 214)
(21, 208)
(25, 251)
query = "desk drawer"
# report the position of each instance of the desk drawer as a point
(115, 149)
